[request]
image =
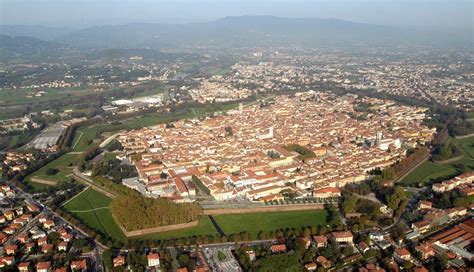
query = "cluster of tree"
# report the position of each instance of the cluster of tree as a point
(17, 139)
(185, 261)
(41, 160)
(136, 212)
(52, 171)
(450, 199)
(200, 185)
(115, 145)
(268, 261)
(440, 137)
(363, 107)
(367, 211)
(413, 158)
(297, 255)
(304, 152)
(68, 190)
(455, 120)
(395, 198)
(446, 151)
(272, 154)
(135, 259)
(229, 131)
(113, 187)
(333, 218)
(114, 169)
(93, 233)
(84, 161)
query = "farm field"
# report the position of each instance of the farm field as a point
(91, 207)
(253, 223)
(204, 228)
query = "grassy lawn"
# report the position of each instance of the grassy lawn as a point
(467, 146)
(408, 194)
(428, 170)
(270, 221)
(82, 207)
(425, 172)
(204, 228)
(61, 163)
(83, 139)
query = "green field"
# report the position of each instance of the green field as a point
(92, 208)
(428, 170)
(467, 146)
(253, 223)
(408, 194)
(62, 164)
(83, 139)
(204, 228)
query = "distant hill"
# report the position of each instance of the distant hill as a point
(36, 31)
(27, 47)
(249, 31)
(232, 31)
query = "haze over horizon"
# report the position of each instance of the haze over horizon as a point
(456, 14)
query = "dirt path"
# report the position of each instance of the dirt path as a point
(91, 210)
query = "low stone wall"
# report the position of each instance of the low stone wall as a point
(276, 208)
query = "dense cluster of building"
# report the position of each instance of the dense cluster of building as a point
(26, 237)
(17, 124)
(408, 76)
(153, 261)
(462, 182)
(16, 161)
(299, 144)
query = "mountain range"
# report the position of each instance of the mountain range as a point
(240, 31)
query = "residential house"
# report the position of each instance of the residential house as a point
(320, 241)
(153, 259)
(24, 267)
(43, 267)
(344, 237)
(80, 265)
(118, 261)
(402, 254)
(278, 248)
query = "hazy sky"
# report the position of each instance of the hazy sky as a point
(77, 13)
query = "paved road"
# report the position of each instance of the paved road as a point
(108, 140)
(99, 248)
(411, 204)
